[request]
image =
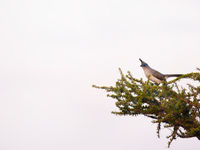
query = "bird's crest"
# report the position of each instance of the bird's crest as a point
(143, 64)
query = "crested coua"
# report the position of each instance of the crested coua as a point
(154, 75)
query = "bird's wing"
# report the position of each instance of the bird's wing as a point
(158, 75)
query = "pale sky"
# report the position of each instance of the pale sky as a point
(52, 51)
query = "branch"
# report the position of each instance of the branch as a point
(166, 103)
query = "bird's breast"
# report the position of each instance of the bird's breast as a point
(149, 75)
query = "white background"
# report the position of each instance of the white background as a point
(52, 51)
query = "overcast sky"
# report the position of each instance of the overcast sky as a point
(52, 51)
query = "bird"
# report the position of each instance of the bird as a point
(154, 75)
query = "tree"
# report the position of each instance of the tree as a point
(168, 104)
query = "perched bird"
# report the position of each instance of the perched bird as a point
(154, 75)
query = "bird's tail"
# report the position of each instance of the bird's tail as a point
(173, 75)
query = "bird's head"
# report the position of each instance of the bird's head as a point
(143, 64)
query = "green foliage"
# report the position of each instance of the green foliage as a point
(177, 109)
